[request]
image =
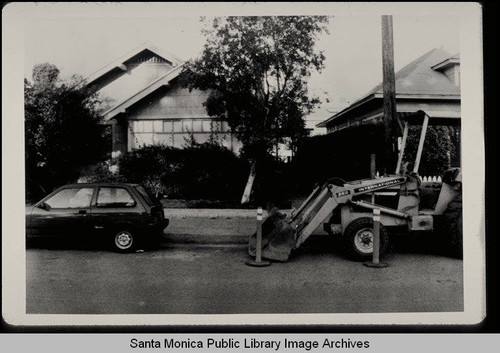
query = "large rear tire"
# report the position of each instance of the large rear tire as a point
(358, 239)
(453, 227)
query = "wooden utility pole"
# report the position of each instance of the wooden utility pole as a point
(389, 89)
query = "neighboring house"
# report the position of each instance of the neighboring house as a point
(430, 83)
(147, 105)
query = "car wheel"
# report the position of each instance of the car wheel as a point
(123, 241)
(358, 239)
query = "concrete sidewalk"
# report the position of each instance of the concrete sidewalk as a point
(212, 226)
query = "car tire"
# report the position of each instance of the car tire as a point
(123, 240)
(358, 239)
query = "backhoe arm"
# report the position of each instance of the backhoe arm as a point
(321, 203)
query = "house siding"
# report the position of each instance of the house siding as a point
(170, 115)
(174, 116)
(175, 102)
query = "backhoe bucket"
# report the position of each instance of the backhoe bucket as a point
(278, 238)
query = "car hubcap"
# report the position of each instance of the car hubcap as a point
(364, 240)
(123, 240)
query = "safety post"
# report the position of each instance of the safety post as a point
(258, 247)
(376, 242)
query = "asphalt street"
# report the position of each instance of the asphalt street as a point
(192, 278)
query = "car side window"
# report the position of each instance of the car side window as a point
(114, 197)
(71, 198)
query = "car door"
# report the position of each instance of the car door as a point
(115, 207)
(63, 214)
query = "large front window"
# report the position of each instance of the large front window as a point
(178, 132)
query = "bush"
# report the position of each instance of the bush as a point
(437, 153)
(204, 171)
(100, 173)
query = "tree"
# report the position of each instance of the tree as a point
(63, 130)
(256, 70)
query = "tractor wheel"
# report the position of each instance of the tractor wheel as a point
(358, 239)
(452, 227)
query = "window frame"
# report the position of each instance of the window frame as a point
(96, 203)
(70, 208)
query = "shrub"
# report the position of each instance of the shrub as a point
(437, 153)
(201, 171)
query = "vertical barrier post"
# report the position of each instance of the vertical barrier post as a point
(258, 249)
(373, 168)
(258, 246)
(376, 236)
(376, 242)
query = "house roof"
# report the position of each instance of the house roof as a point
(137, 96)
(121, 61)
(419, 79)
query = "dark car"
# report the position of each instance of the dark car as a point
(124, 215)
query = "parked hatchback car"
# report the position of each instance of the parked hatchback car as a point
(124, 215)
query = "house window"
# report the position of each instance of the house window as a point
(197, 126)
(158, 126)
(177, 132)
(206, 125)
(178, 126)
(187, 125)
(167, 126)
(138, 126)
(143, 139)
(148, 126)
(217, 126)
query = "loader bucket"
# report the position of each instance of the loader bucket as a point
(278, 238)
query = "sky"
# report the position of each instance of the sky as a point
(82, 42)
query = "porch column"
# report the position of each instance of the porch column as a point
(119, 137)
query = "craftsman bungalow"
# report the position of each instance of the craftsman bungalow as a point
(148, 105)
(431, 83)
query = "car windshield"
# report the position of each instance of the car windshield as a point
(148, 196)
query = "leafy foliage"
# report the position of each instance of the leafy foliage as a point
(201, 171)
(437, 153)
(62, 129)
(256, 69)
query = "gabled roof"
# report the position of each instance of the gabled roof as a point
(121, 62)
(418, 79)
(134, 98)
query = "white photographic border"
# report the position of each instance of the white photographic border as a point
(473, 161)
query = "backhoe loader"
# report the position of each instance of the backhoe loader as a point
(345, 208)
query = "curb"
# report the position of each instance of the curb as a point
(202, 239)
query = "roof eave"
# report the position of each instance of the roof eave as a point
(126, 103)
(445, 64)
(120, 62)
(348, 109)
(398, 95)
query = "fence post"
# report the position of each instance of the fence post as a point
(258, 247)
(376, 242)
